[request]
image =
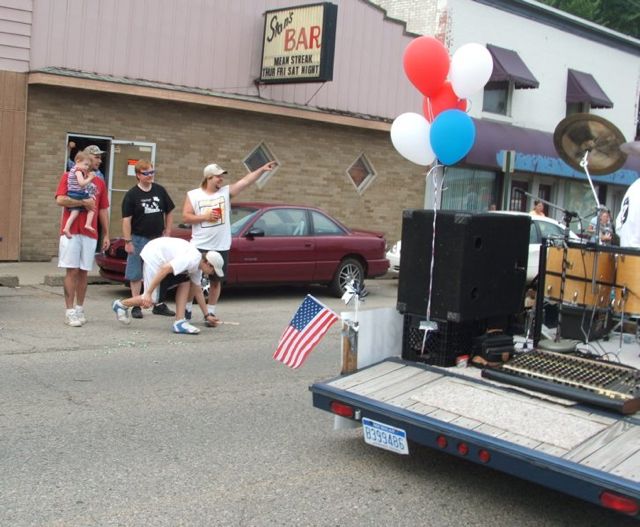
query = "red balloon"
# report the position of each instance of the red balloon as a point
(444, 99)
(426, 64)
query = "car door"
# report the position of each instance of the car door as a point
(540, 229)
(332, 243)
(275, 248)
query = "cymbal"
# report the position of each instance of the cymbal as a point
(583, 132)
(632, 148)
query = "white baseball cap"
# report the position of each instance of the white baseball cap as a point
(215, 259)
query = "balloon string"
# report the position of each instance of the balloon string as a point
(428, 327)
(429, 117)
(433, 238)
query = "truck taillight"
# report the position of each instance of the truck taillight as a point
(463, 449)
(484, 455)
(619, 503)
(442, 442)
(341, 409)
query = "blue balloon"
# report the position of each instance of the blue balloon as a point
(452, 135)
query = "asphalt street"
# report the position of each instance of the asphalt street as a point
(135, 426)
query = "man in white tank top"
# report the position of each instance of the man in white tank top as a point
(208, 210)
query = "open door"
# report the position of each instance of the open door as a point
(124, 156)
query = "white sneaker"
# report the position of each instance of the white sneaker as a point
(71, 319)
(183, 326)
(80, 316)
(122, 312)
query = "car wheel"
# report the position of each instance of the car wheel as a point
(349, 269)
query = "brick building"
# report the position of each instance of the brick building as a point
(181, 86)
(185, 86)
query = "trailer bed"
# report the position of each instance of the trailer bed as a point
(574, 448)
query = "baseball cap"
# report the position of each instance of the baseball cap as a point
(93, 150)
(215, 259)
(214, 170)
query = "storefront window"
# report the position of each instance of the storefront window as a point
(469, 189)
(579, 198)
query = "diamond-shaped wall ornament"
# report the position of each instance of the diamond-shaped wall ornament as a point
(259, 156)
(361, 173)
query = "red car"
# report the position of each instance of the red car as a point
(284, 244)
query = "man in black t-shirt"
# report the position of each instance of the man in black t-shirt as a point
(146, 214)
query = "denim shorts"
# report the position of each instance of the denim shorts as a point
(133, 271)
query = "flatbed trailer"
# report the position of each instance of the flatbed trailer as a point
(580, 450)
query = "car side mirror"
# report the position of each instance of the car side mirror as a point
(254, 232)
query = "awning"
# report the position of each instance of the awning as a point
(582, 87)
(534, 153)
(508, 66)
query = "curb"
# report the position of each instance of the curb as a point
(51, 280)
(57, 280)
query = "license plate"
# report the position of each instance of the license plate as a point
(385, 436)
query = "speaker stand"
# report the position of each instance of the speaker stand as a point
(559, 346)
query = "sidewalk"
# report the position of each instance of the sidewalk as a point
(15, 274)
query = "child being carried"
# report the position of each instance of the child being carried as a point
(79, 187)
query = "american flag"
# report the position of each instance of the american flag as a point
(307, 327)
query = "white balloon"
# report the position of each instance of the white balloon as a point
(471, 68)
(410, 137)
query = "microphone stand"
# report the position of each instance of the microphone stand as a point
(567, 217)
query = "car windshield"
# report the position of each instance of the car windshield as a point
(550, 230)
(240, 216)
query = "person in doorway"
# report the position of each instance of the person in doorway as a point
(71, 146)
(605, 229)
(538, 208)
(173, 263)
(146, 215)
(96, 159)
(208, 210)
(76, 254)
(80, 187)
(628, 220)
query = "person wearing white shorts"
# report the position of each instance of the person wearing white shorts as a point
(76, 254)
(172, 263)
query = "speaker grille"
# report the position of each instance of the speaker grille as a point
(479, 265)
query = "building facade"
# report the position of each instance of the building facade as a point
(547, 64)
(183, 82)
(181, 85)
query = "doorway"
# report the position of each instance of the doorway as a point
(78, 142)
(123, 156)
(518, 198)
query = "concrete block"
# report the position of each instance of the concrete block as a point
(9, 281)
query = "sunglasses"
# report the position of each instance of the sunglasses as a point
(148, 172)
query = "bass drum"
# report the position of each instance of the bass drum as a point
(628, 285)
(580, 264)
(577, 292)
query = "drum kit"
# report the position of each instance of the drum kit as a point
(590, 276)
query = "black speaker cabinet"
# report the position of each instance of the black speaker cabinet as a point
(479, 265)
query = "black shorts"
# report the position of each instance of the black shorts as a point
(225, 259)
(170, 282)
